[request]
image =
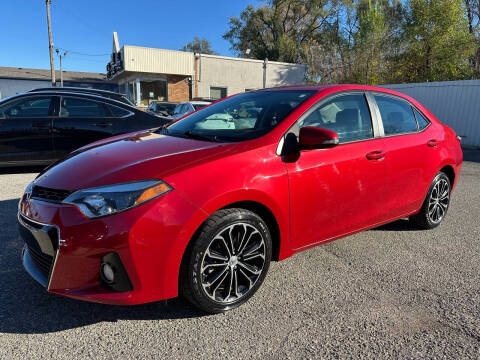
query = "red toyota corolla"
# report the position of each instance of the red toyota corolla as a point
(201, 207)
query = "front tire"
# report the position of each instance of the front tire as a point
(227, 261)
(436, 203)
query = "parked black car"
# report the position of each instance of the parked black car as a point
(104, 93)
(162, 108)
(38, 128)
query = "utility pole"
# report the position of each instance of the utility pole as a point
(50, 44)
(61, 69)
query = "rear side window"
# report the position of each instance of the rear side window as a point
(347, 115)
(26, 108)
(199, 106)
(76, 107)
(397, 115)
(118, 111)
(421, 120)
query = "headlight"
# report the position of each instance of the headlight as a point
(106, 200)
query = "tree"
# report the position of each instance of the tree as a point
(364, 41)
(199, 45)
(472, 10)
(281, 29)
(439, 44)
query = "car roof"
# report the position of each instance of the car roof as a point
(199, 102)
(75, 89)
(77, 94)
(332, 88)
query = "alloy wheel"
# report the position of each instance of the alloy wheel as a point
(233, 262)
(439, 200)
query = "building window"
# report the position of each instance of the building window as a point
(153, 91)
(217, 92)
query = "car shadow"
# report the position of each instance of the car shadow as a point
(398, 225)
(26, 308)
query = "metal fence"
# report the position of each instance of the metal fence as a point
(455, 103)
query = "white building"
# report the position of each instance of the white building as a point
(148, 74)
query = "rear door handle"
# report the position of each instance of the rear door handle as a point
(432, 143)
(40, 125)
(376, 155)
(104, 124)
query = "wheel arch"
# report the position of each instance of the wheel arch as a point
(450, 172)
(266, 214)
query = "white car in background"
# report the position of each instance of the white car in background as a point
(188, 107)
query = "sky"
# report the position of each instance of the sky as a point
(85, 27)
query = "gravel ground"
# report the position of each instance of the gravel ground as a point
(391, 292)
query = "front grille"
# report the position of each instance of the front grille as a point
(43, 193)
(42, 261)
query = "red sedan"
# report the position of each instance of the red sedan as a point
(201, 207)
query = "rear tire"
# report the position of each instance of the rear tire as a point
(227, 261)
(436, 203)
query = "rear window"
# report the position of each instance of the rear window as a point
(76, 107)
(397, 115)
(118, 111)
(421, 120)
(199, 106)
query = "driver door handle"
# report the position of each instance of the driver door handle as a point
(376, 155)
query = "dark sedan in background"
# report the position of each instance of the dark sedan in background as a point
(37, 128)
(103, 93)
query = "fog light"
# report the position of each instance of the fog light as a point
(108, 273)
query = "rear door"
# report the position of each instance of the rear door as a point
(410, 161)
(26, 130)
(81, 121)
(338, 190)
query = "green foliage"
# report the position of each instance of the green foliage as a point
(199, 45)
(439, 44)
(364, 41)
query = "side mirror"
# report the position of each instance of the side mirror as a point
(312, 137)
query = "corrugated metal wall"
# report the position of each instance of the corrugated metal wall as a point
(455, 103)
(161, 61)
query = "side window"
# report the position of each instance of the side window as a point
(76, 107)
(178, 109)
(185, 109)
(347, 115)
(397, 115)
(421, 120)
(26, 108)
(118, 111)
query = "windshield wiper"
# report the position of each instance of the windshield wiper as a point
(193, 135)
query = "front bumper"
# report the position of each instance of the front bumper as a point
(64, 249)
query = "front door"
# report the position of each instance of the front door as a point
(338, 190)
(26, 130)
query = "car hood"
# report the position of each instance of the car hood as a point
(131, 157)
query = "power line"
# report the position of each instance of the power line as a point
(81, 53)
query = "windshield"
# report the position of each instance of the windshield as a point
(241, 117)
(166, 108)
